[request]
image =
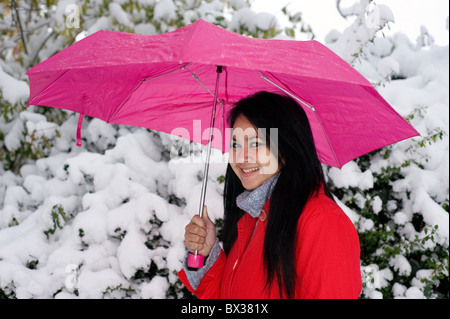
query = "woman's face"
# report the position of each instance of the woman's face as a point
(250, 157)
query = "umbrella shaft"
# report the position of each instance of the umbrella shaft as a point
(208, 152)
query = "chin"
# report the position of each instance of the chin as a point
(250, 187)
(251, 184)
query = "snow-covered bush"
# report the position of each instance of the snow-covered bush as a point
(106, 220)
(399, 195)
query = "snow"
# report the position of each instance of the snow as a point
(155, 289)
(13, 90)
(387, 67)
(377, 204)
(165, 10)
(401, 265)
(14, 137)
(237, 4)
(400, 218)
(351, 176)
(414, 293)
(264, 20)
(145, 28)
(126, 201)
(119, 14)
(365, 224)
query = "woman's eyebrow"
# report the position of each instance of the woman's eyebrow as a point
(246, 137)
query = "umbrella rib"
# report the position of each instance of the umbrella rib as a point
(139, 84)
(126, 99)
(212, 94)
(328, 139)
(185, 66)
(48, 86)
(311, 107)
(204, 86)
(216, 99)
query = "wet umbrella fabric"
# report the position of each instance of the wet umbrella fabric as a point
(164, 82)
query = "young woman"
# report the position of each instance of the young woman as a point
(283, 235)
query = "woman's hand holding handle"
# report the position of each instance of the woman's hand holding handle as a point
(200, 236)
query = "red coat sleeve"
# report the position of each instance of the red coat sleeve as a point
(209, 287)
(328, 253)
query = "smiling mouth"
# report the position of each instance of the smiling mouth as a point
(250, 170)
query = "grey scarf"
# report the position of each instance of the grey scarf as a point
(253, 201)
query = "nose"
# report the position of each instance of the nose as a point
(242, 155)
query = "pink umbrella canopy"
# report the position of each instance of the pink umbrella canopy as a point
(166, 82)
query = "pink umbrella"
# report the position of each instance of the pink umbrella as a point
(164, 82)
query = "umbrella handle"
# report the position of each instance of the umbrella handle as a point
(195, 260)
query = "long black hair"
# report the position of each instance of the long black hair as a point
(300, 177)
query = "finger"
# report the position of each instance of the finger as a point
(196, 230)
(208, 222)
(194, 246)
(197, 220)
(205, 214)
(195, 239)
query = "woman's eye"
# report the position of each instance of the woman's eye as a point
(256, 144)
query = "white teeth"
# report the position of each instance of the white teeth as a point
(251, 170)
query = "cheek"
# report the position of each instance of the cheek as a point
(232, 161)
(264, 157)
(232, 157)
(268, 161)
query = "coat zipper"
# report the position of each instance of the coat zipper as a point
(238, 259)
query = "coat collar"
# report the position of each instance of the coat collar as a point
(254, 201)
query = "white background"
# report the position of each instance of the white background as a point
(410, 15)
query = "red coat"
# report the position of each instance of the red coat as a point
(327, 258)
